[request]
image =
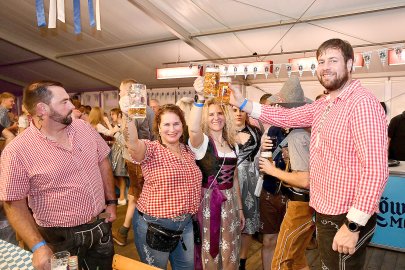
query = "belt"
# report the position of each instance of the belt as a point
(101, 216)
(294, 195)
(175, 219)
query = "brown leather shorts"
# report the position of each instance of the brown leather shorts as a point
(135, 179)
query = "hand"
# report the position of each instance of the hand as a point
(106, 120)
(266, 166)
(267, 144)
(41, 258)
(112, 210)
(236, 97)
(345, 241)
(199, 85)
(242, 220)
(76, 114)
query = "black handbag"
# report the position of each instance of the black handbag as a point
(162, 239)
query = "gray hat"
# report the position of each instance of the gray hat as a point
(291, 94)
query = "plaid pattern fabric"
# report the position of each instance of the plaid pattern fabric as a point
(348, 163)
(13, 257)
(172, 186)
(64, 187)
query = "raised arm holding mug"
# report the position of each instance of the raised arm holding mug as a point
(170, 194)
(212, 139)
(348, 161)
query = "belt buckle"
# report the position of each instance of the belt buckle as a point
(179, 218)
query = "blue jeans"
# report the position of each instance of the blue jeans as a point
(179, 258)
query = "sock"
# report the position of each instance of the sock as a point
(242, 264)
(123, 230)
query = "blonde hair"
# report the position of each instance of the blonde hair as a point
(229, 131)
(96, 116)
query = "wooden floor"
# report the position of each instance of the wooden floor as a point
(377, 259)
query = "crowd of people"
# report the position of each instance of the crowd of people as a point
(195, 197)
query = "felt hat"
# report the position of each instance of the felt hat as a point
(290, 95)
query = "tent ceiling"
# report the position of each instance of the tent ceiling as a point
(139, 36)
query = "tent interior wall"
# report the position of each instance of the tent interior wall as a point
(138, 36)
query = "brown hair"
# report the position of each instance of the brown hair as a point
(116, 111)
(264, 98)
(37, 92)
(229, 131)
(336, 43)
(158, 118)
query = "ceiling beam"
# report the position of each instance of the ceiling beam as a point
(116, 47)
(14, 39)
(280, 53)
(176, 29)
(13, 81)
(26, 61)
(295, 21)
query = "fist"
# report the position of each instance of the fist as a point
(199, 85)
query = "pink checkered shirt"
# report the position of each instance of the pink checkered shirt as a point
(348, 164)
(172, 186)
(64, 188)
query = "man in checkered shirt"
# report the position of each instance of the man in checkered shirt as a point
(61, 166)
(348, 155)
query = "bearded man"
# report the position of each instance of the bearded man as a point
(348, 155)
(61, 166)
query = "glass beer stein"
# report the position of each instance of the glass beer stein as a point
(137, 101)
(224, 91)
(211, 81)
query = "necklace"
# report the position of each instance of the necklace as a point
(220, 143)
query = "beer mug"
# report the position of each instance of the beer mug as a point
(137, 101)
(224, 91)
(211, 81)
(59, 260)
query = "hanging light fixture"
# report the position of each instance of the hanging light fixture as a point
(191, 71)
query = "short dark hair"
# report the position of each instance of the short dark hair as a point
(37, 92)
(264, 98)
(336, 43)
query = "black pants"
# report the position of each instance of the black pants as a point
(327, 226)
(92, 243)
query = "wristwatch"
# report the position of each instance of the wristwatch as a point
(352, 226)
(196, 100)
(111, 202)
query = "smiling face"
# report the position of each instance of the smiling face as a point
(333, 72)
(216, 117)
(240, 117)
(170, 128)
(8, 103)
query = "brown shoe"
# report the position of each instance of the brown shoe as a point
(119, 238)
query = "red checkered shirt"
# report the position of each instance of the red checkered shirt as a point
(172, 186)
(348, 164)
(64, 188)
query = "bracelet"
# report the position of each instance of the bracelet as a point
(111, 202)
(240, 209)
(200, 105)
(243, 104)
(38, 245)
